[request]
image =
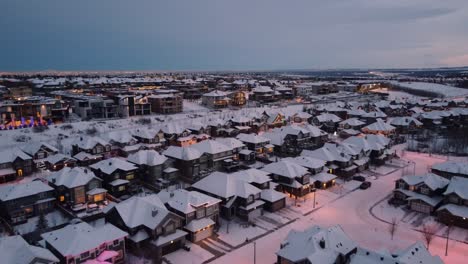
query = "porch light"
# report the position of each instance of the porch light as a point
(172, 241)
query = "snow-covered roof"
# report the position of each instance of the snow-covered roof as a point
(458, 186)
(145, 133)
(352, 122)
(316, 244)
(286, 169)
(262, 89)
(433, 181)
(414, 254)
(33, 147)
(71, 177)
(54, 159)
(323, 177)
(89, 142)
(85, 156)
(307, 162)
(148, 211)
(404, 121)
(9, 155)
(182, 153)
(226, 185)
(252, 138)
(147, 157)
(369, 142)
(379, 125)
(186, 201)
(211, 147)
(452, 167)
(74, 239)
(121, 136)
(216, 93)
(252, 176)
(458, 210)
(231, 143)
(329, 153)
(15, 250)
(328, 117)
(108, 166)
(271, 195)
(19, 190)
(198, 224)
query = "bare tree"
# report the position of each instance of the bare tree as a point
(393, 227)
(428, 232)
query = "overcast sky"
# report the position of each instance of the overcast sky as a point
(231, 34)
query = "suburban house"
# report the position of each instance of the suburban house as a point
(291, 178)
(379, 127)
(326, 121)
(337, 161)
(15, 250)
(169, 103)
(405, 124)
(58, 161)
(20, 201)
(14, 164)
(263, 94)
(39, 150)
(454, 211)
(152, 166)
(316, 245)
(376, 145)
(153, 231)
(79, 242)
(312, 164)
(422, 193)
(78, 188)
(151, 138)
(216, 99)
(323, 180)
(238, 197)
(91, 145)
(122, 143)
(200, 212)
(85, 159)
(256, 143)
(450, 169)
(117, 175)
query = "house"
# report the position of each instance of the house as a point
(376, 145)
(416, 253)
(256, 143)
(199, 211)
(326, 121)
(122, 143)
(79, 242)
(263, 94)
(58, 161)
(337, 160)
(20, 201)
(91, 145)
(291, 140)
(216, 99)
(152, 229)
(152, 138)
(312, 164)
(238, 197)
(316, 245)
(323, 180)
(454, 211)
(273, 118)
(15, 250)
(169, 103)
(422, 193)
(14, 164)
(85, 159)
(379, 127)
(302, 118)
(352, 123)
(274, 200)
(405, 124)
(291, 178)
(78, 188)
(450, 169)
(152, 166)
(117, 175)
(39, 150)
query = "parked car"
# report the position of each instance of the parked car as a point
(365, 185)
(359, 178)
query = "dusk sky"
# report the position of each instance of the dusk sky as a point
(231, 35)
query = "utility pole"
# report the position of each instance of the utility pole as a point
(255, 252)
(447, 241)
(315, 193)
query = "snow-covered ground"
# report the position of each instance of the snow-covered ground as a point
(53, 218)
(194, 256)
(352, 212)
(443, 90)
(394, 95)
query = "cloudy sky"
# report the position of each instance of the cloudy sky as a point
(231, 35)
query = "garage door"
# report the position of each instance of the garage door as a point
(171, 247)
(420, 207)
(255, 213)
(203, 234)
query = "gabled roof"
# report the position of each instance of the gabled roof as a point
(123, 137)
(329, 153)
(186, 201)
(252, 176)
(71, 177)
(316, 244)
(74, 239)
(307, 162)
(89, 142)
(414, 254)
(85, 156)
(458, 186)
(230, 142)
(108, 166)
(145, 133)
(216, 93)
(147, 157)
(379, 125)
(210, 147)
(262, 89)
(15, 250)
(225, 185)
(352, 122)
(252, 138)
(404, 121)
(9, 155)
(286, 169)
(14, 191)
(452, 167)
(182, 153)
(433, 181)
(54, 159)
(148, 211)
(327, 117)
(33, 147)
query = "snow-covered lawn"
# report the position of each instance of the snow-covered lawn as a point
(53, 218)
(444, 90)
(352, 212)
(194, 256)
(238, 232)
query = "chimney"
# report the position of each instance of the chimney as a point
(322, 243)
(171, 194)
(154, 212)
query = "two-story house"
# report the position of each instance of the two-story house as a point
(238, 197)
(153, 166)
(39, 150)
(117, 175)
(291, 178)
(199, 211)
(78, 188)
(80, 242)
(450, 169)
(153, 230)
(14, 164)
(256, 143)
(455, 208)
(18, 202)
(14, 249)
(91, 145)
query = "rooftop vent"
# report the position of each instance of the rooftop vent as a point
(322, 243)
(154, 212)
